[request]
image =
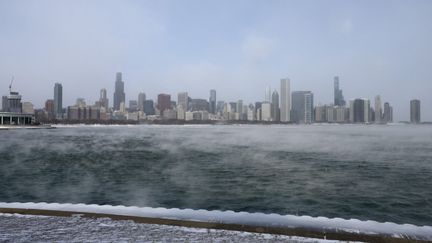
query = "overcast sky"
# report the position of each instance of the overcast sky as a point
(236, 47)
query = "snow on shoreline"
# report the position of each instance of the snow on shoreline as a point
(242, 218)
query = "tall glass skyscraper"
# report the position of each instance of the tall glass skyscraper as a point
(119, 94)
(212, 101)
(285, 104)
(415, 111)
(58, 100)
(338, 95)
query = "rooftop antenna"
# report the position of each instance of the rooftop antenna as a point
(10, 85)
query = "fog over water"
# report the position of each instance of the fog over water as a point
(380, 173)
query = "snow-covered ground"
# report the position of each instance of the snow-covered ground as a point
(24, 228)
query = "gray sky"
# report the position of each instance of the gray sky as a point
(236, 47)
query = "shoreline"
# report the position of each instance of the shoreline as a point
(316, 233)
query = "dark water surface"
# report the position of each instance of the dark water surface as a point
(381, 173)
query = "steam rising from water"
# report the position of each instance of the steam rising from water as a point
(365, 172)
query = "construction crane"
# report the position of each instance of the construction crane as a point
(10, 85)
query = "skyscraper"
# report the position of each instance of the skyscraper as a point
(183, 100)
(103, 100)
(415, 111)
(338, 95)
(164, 102)
(360, 109)
(141, 99)
(378, 109)
(119, 94)
(58, 100)
(267, 95)
(388, 113)
(275, 106)
(212, 101)
(285, 106)
(302, 107)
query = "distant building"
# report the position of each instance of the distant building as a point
(119, 94)
(58, 100)
(103, 100)
(133, 105)
(302, 107)
(285, 104)
(267, 95)
(239, 110)
(141, 99)
(12, 110)
(378, 110)
(321, 113)
(258, 111)
(164, 102)
(266, 111)
(388, 113)
(275, 106)
(149, 108)
(359, 111)
(199, 105)
(338, 95)
(183, 100)
(220, 106)
(27, 108)
(415, 111)
(212, 101)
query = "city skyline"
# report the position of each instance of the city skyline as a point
(162, 48)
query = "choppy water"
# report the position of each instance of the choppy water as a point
(381, 173)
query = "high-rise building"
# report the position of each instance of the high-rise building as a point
(49, 109)
(119, 94)
(239, 109)
(212, 101)
(141, 99)
(338, 95)
(378, 109)
(58, 100)
(388, 113)
(149, 107)
(285, 104)
(199, 105)
(275, 106)
(415, 111)
(183, 100)
(267, 95)
(266, 111)
(103, 99)
(359, 111)
(4, 103)
(164, 102)
(302, 107)
(133, 105)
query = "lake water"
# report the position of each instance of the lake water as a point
(381, 173)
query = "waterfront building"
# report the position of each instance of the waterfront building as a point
(360, 111)
(321, 113)
(181, 113)
(338, 94)
(183, 100)
(275, 106)
(258, 111)
(141, 99)
(239, 109)
(251, 113)
(267, 95)
(58, 100)
(199, 105)
(212, 101)
(133, 105)
(266, 111)
(285, 97)
(119, 94)
(149, 108)
(220, 106)
(27, 108)
(164, 102)
(12, 110)
(302, 107)
(388, 113)
(415, 111)
(378, 109)
(103, 99)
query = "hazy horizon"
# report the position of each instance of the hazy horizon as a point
(238, 48)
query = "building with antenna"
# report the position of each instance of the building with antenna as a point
(11, 113)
